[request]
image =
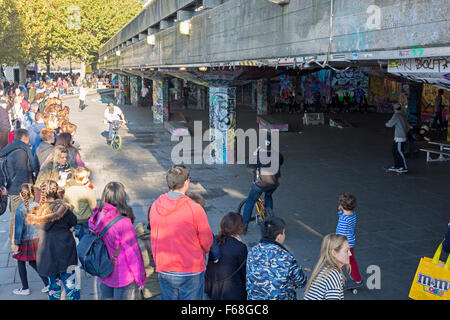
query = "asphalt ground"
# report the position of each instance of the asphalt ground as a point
(399, 218)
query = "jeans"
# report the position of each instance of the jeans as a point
(81, 229)
(112, 124)
(121, 293)
(437, 118)
(254, 194)
(181, 287)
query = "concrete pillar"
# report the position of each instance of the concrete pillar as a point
(254, 94)
(202, 93)
(263, 97)
(160, 100)
(222, 121)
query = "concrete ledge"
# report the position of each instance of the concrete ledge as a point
(269, 123)
(176, 128)
(313, 119)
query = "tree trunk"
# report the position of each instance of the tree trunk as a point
(47, 62)
(83, 69)
(22, 72)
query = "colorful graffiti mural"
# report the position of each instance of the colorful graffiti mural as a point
(429, 94)
(161, 101)
(262, 100)
(222, 121)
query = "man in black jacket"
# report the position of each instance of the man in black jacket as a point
(21, 167)
(266, 165)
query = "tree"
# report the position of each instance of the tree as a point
(91, 23)
(23, 32)
(40, 30)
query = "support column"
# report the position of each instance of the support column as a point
(263, 97)
(222, 122)
(201, 97)
(254, 94)
(160, 100)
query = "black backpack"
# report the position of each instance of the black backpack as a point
(4, 177)
(93, 254)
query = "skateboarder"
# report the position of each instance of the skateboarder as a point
(400, 121)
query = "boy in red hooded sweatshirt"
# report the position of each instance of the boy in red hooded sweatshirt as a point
(180, 239)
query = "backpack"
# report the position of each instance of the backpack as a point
(93, 254)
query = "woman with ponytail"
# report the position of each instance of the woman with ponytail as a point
(57, 254)
(26, 239)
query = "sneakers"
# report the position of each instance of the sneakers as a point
(44, 289)
(22, 292)
(402, 170)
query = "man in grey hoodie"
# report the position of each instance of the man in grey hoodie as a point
(400, 121)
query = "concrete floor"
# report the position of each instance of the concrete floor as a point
(400, 218)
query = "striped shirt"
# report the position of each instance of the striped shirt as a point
(329, 287)
(346, 226)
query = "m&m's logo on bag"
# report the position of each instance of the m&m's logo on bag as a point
(433, 285)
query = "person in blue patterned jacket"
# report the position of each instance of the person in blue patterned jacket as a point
(272, 271)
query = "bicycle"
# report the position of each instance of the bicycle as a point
(116, 139)
(262, 212)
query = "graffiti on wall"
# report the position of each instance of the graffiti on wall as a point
(133, 90)
(222, 121)
(429, 94)
(434, 71)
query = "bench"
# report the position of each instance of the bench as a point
(313, 119)
(176, 128)
(269, 123)
(443, 152)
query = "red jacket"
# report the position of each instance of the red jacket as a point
(180, 234)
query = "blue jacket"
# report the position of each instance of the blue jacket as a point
(23, 230)
(35, 136)
(271, 271)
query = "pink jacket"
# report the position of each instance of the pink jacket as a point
(180, 235)
(129, 265)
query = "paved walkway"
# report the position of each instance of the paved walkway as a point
(400, 218)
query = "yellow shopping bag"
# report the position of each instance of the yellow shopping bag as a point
(432, 279)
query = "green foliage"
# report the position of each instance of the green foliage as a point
(32, 30)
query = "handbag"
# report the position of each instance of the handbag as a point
(432, 279)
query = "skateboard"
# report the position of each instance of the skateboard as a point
(388, 169)
(354, 289)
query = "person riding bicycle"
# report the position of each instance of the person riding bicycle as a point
(266, 179)
(113, 115)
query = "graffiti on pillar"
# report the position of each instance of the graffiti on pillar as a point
(262, 101)
(161, 102)
(133, 90)
(222, 119)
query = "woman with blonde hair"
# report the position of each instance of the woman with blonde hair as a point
(57, 168)
(57, 254)
(327, 278)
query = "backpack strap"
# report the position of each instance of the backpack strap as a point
(105, 229)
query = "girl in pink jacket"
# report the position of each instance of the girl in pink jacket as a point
(129, 265)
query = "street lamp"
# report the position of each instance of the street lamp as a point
(118, 53)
